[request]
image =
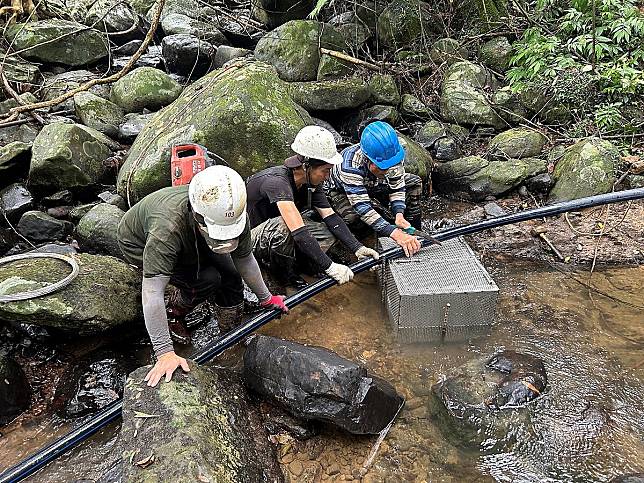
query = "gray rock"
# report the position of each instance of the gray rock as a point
(25, 133)
(330, 95)
(475, 178)
(496, 53)
(333, 68)
(493, 210)
(69, 156)
(509, 106)
(114, 16)
(293, 48)
(39, 227)
(14, 161)
(58, 41)
(27, 98)
(133, 125)
(113, 199)
(61, 249)
(79, 308)
(15, 200)
(80, 211)
(206, 429)
(153, 60)
(635, 181)
(96, 231)
(447, 51)
(98, 113)
(144, 88)
(177, 23)
(368, 11)
(342, 393)
(384, 90)
(519, 143)
(429, 133)
(274, 13)
(464, 99)
(128, 48)
(413, 107)
(226, 53)
(446, 149)
(18, 70)
(541, 183)
(244, 114)
(63, 197)
(417, 159)
(359, 121)
(60, 84)
(631, 478)
(402, 23)
(587, 168)
(14, 390)
(186, 55)
(355, 34)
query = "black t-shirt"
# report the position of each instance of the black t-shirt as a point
(266, 188)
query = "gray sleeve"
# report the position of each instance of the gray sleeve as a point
(156, 320)
(250, 272)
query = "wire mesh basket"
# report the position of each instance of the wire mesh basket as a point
(441, 293)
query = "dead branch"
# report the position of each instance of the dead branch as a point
(348, 58)
(105, 80)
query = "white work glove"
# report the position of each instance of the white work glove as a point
(341, 273)
(364, 252)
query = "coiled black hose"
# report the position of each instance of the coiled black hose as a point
(113, 410)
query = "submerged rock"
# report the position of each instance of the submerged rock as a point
(86, 306)
(587, 168)
(97, 230)
(315, 383)
(58, 41)
(294, 48)
(14, 390)
(145, 88)
(198, 427)
(243, 114)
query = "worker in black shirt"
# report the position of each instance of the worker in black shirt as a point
(281, 200)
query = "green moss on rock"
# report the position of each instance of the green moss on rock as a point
(145, 88)
(330, 95)
(404, 22)
(384, 90)
(517, 143)
(98, 113)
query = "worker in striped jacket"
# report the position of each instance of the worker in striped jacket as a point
(371, 189)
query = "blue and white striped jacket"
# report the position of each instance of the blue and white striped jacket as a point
(354, 178)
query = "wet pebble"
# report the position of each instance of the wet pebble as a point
(296, 468)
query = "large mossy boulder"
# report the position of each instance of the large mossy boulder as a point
(243, 114)
(59, 41)
(475, 178)
(417, 159)
(403, 23)
(464, 98)
(97, 230)
(587, 168)
(69, 156)
(200, 426)
(14, 390)
(145, 88)
(519, 142)
(330, 95)
(496, 54)
(104, 295)
(294, 48)
(98, 113)
(384, 89)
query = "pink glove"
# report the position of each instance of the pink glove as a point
(275, 302)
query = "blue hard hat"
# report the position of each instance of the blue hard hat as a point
(379, 142)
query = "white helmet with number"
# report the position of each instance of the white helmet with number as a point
(218, 194)
(317, 143)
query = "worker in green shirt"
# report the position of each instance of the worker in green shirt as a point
(196, 237)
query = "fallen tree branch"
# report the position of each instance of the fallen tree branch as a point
(105, 80)
(14, 94)
(348, 58)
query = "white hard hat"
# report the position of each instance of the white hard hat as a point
(218, 194)
(317, 143)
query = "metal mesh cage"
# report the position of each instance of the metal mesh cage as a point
(441, 293)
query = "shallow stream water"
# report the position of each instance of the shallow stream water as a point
(588, 426)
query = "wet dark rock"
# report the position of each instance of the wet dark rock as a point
(113, 199)
(274, 13)
(93, 382)
(177, 23)
(115, 16)
(187, 55)
(59, 212)
(541, 183)
(39, 227)
(470, 401)
(15, 200)
(152, 60)
(277, 420)
(226, 53)
(128, 48)
(63, 197)
(200, 426)
(357, 122)
(447, 149)
(96, 230)
(133, 125)
(14, 161)
(315, 383)
(14, 390)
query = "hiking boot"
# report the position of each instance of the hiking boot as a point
(176, 306)
(229, 318)
(179, 332)
(283, 267)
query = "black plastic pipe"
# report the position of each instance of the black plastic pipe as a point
(113, 411)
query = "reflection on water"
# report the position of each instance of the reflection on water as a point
(588, 426)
